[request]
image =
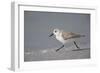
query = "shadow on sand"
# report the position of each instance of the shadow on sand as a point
(80, 49)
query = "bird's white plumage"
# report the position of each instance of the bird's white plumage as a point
(64, 37)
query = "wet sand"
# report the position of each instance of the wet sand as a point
(63, 54)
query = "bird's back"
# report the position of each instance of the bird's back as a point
(70, 35)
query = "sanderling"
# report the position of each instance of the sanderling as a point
(64, 37)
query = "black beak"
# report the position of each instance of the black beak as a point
(51, 35)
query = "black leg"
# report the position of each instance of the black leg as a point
(76, 45)
(59, 48)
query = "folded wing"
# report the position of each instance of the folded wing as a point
(70, 35)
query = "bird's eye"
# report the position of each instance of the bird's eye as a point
(55, 31)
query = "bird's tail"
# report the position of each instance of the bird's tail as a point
(82, 35)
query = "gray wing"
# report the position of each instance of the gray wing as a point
(70, 35)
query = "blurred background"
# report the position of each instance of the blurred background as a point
(39, 25)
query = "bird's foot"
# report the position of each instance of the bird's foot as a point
(57, 50)
(76, 49)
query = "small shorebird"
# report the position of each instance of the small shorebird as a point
(64, 37)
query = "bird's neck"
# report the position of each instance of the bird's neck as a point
(59, 34)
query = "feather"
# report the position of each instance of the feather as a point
(70, 35)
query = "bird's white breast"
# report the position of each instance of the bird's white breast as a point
(60, 38)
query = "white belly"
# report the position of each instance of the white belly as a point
(59, 38)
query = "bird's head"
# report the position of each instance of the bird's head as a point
(55, 32)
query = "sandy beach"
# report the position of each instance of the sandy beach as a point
(51, 54)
